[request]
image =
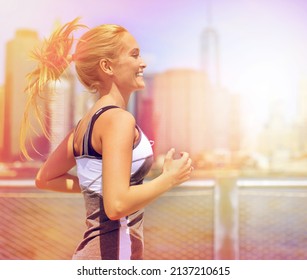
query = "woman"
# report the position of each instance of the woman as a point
(111, 152)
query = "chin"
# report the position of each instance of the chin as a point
(140, 87)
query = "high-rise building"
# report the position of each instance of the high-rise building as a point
(210, 61)
(210, 54)
(178, 111)
(17, 66)
(222, 123)
(222, 109)
(302, 101)
(278, 140)
(302, 115)
(144, 108)
(84, 100)
(60, 108)
(1, 122)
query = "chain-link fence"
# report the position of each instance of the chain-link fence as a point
(47, 225)
(179, 225)
(273, 223)
(189, 222)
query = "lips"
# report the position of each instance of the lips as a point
(139, 74)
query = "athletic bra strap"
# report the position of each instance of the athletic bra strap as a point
(87, 145)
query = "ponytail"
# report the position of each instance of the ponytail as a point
(52, 58)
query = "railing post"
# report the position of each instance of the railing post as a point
(226, 243)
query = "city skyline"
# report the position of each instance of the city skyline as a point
(269, 84)
(245, 129)
(261, 42)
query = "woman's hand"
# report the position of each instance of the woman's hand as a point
(178, 169)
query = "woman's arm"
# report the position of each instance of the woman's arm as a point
(53, 175)
(120, 199)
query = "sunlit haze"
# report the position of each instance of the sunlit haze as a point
(243, 122)
(262, 43)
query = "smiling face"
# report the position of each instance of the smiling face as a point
(128, 67)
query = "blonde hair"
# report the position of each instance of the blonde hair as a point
(53, 58)
(103, 41)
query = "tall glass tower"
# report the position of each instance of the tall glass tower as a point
(210, 55)
(210, 61)
(222, 123)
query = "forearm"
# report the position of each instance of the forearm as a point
(65, 183)
(137, 197)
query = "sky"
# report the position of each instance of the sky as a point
(262, 42)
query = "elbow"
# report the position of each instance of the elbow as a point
(115, 211)
(40, 183)
(41, 180)
(113, 217)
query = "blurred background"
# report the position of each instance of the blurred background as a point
(225, 81)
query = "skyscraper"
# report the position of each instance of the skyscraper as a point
(60, 108)
(210, 61)
(302, 101)
(178, 110)
(1, 121)
(222, 123)
(209, 49)
(83, 101)
(144, 108)
(17, 66)
(302, 115)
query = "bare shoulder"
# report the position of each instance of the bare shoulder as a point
(119, 116)
(116, 119)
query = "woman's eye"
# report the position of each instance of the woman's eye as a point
(135, 55)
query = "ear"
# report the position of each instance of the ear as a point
(105, 66)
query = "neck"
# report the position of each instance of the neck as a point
(115, 97)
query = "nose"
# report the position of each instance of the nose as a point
(143, 63)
